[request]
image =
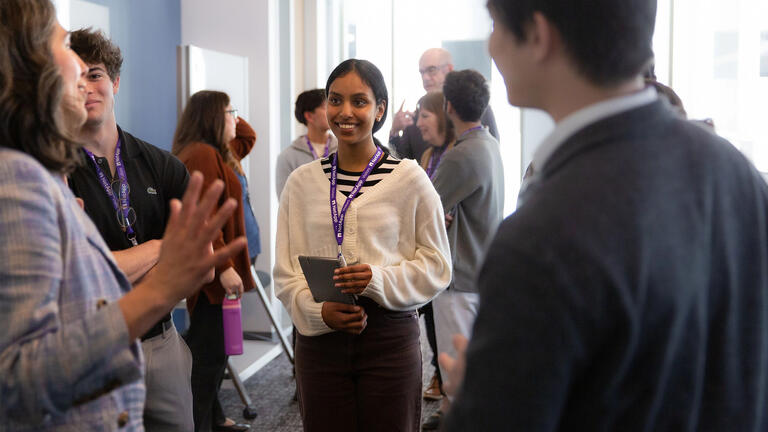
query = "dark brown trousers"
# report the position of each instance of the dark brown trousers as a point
(368, 382)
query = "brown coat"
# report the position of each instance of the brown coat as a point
(206, 159)
(245, 138)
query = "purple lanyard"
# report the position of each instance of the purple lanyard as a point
(469, 130)
(338, 219)
(430, 168)
(124, 204)
(312, 148)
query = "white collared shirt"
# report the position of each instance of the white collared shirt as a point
(584, 117)
(580, 119)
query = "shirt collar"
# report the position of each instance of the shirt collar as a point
(584, 117)
(470, 134)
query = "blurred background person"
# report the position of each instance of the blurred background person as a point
(317, 142)
(240, 146)
(437, 130)
(404, 136)
(470, 182)
(201, 142)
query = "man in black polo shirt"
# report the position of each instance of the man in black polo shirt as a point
(126, 185)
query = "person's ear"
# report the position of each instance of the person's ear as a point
(308, 117)
(116, 85)
(381, 108)
(449, 66)
(449, 108)
(542, 36)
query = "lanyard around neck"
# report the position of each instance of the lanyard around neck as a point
(434, 162)
(338, 217)
(469, 130)
(312, 148)
(120, 203)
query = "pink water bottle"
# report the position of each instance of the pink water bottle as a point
(233, 325)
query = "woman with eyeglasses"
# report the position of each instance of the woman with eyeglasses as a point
(201, 142)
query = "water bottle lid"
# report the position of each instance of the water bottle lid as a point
(231, 296)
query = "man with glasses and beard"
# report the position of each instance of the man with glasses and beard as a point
(126, 185)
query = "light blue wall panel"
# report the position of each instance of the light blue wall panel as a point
(148, 32)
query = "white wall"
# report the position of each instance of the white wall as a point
(248, 28)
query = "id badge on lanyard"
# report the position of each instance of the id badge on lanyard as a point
(121, 200)
(338, 217)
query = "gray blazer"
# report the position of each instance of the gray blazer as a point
(66, 362)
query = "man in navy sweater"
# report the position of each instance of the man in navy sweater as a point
(629, 291)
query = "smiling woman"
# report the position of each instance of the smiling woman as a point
(357, 107)
(436, 129)
(396, 264)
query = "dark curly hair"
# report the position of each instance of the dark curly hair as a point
(468, 93)
(308, 101)
(32, 117)
(94, 47)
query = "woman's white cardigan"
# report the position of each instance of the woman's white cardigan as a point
(396, 226)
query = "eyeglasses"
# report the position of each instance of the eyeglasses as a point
(126, 215)
(431, 70)
(232, 112)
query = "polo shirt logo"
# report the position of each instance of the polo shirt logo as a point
(151, 191)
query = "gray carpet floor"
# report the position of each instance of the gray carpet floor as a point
(271, 390)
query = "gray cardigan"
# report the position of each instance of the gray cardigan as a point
(294, 156)
(470, 182)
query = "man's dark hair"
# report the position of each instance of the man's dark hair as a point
(609, 41)
(468, 93)
(371, 76)
(94, 47)
(308, 101)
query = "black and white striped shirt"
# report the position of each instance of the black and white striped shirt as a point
(346, 179)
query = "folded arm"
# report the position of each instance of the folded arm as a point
(135, 262)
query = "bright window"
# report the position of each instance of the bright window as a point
(394, 33)
(720, 68)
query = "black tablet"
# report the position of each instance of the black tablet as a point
(319, 274)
